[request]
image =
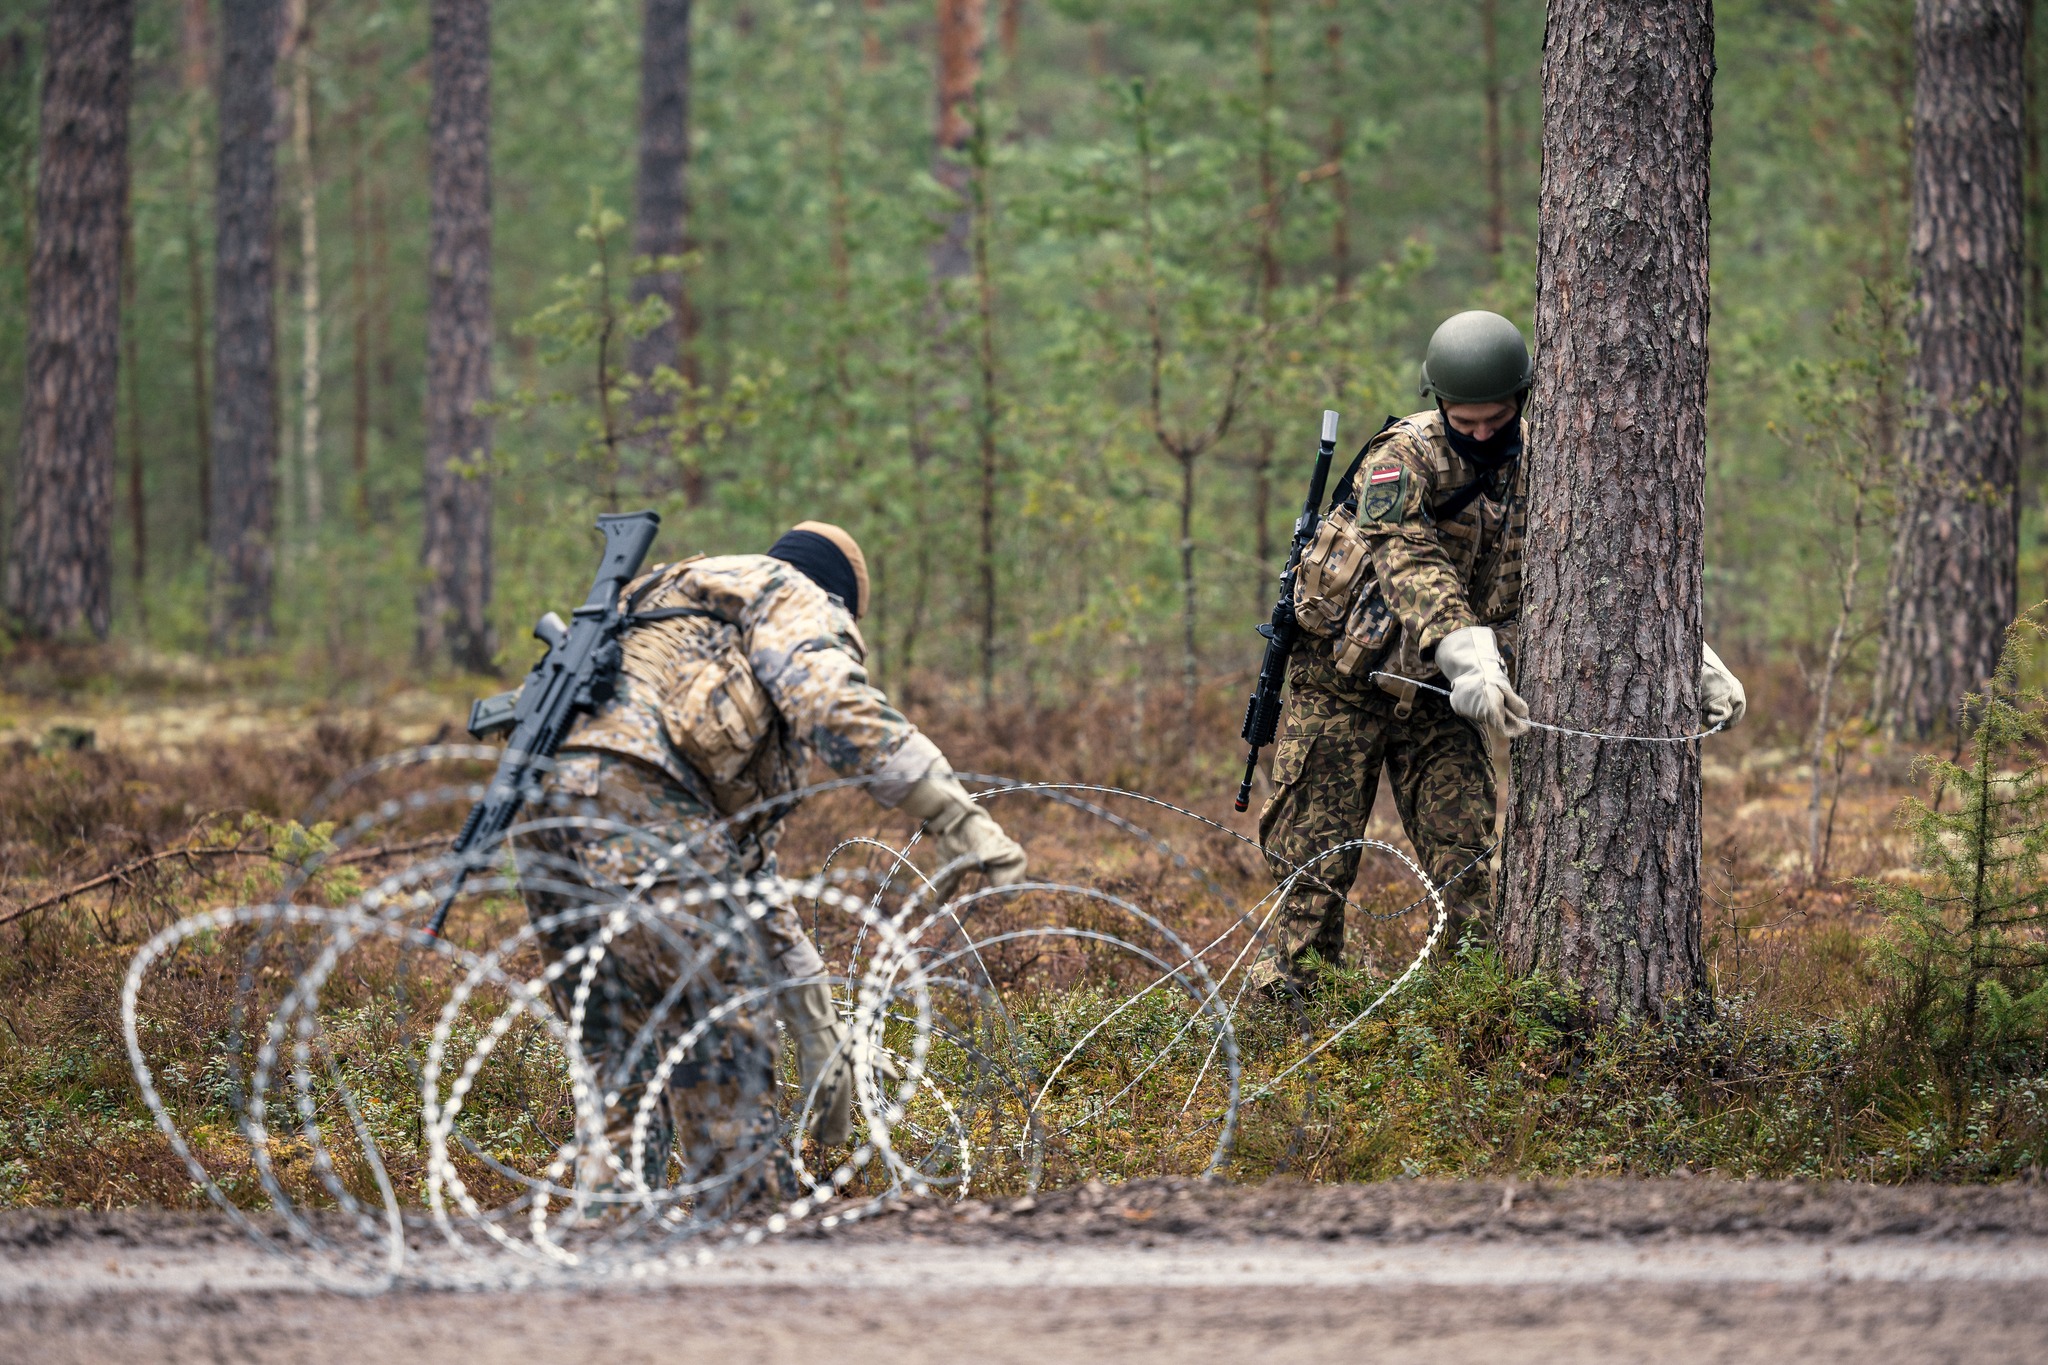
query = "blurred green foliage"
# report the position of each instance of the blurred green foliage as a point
(834, 379)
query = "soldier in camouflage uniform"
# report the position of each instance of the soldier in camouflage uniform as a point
(1416, 574)
(739, 670)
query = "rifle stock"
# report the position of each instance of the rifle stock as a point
(1262, 712)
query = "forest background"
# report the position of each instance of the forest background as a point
(1047, 317)
(1326, 181)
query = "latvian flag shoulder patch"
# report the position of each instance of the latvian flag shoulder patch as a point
(1386, 486)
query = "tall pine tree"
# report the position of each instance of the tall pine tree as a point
(60, 570)
(1955, 569)
(1603, 872)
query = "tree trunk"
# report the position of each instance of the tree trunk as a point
(987, 413)
(1333, 153)
(662, 203)
(131, 371)
(1267, 265)
(359, 312)
(962, 33)
(309, 265)
(243, 519)
(1602, 880)
(195, 51)
(1955, 566)
(870, 35)
(59, 576)
(1011, 28)
(1496, 188)
(454, 606)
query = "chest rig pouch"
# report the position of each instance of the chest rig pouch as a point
(1337, 593)
(1369, 631)
(1331, 569)
(720, 715)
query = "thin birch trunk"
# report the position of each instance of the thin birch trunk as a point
(309, 268)
(359, 312)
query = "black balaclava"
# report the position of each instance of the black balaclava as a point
(1495, 451)
(820, 561)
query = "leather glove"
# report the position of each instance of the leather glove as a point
(824, 1061)
(962, 830)
(1480, 690)
(1721, 694)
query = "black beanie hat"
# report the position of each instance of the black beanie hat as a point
(822, 562)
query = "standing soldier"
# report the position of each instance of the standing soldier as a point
(1416, 573)
(738, 670)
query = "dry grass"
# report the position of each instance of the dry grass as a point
(1470, 1072)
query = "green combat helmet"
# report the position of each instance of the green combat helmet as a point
(1476, 357)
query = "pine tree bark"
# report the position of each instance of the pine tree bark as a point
(454, 607)
(243, 518)
(1602, 869)
(59, 574)
(963, 33)
(1496, 181)
(662, 203)
(1954, 582)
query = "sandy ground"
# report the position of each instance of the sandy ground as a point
(1161, 1271)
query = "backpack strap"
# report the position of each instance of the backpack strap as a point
(1347, 487)
(658, 576)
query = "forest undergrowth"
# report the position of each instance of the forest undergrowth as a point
(1823, 1055)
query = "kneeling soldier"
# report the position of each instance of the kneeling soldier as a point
(738, 671)
(1417, 572)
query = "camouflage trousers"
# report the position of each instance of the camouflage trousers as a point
(1340, 733)
(658, 979)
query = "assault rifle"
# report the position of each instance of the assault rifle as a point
(1262, 713)
(577, 674)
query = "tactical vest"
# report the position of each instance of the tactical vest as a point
(1338, 596)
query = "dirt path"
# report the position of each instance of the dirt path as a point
(1699, 1271)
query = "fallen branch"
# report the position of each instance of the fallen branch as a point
(121, 873)
(126, 870)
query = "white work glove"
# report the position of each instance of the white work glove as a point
(1721, 694)
(1480, 690)
(824, 1061)
(964, 832)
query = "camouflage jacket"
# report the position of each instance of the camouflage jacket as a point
(732, 698)
(1438, 576)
